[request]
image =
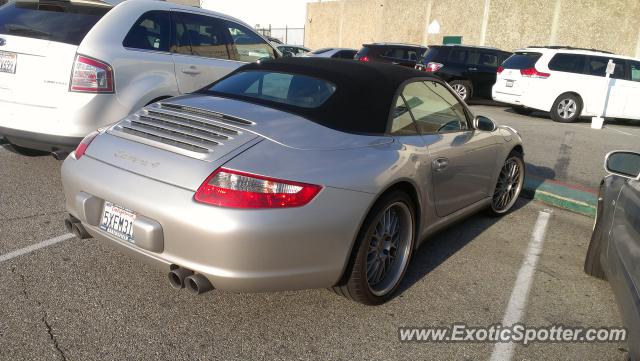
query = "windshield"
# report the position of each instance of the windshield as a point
(283, 88)
(59, 21)
(521, 60)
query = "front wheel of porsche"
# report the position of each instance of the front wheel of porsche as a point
(509, 186)
(385, 244)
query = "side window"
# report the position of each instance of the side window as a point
(597, 65)
(402, 122)
(434, 108)
(473, 58)
(634, 68)
(570, 63)
(619, 72)
(152, 31)
(200, 36)
(458, 56)
(247, 45)
(488, 59)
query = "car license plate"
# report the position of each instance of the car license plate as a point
(509, 83)
(118, 221)
(8, 62)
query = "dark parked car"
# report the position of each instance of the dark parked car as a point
(401, 54)
(470, 70)
(614, 251)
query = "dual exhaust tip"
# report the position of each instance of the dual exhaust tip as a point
(179, 277)
(73, 225)
(194, 283)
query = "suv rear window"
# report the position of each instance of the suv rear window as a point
(59, 21)
(521, 60)
(401, 53)
(290, 89)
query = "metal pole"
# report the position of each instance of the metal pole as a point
(286, 34)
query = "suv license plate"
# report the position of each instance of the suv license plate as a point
(8, 62)
(509, 83)
(118, 221)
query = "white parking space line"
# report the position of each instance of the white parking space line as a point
(619, 131)
(35, 247)
(519, 294)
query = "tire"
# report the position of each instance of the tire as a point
(592, 265)
(357, 285)
(567, 108)
(523, 110)
(463, 88)
(502, 204)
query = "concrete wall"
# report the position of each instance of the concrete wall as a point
(612, 25)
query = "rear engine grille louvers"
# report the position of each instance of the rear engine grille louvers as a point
(189, 129)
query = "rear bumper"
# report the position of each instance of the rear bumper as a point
(237, 250)
(61, 127)
(507, 98)
(39, 141)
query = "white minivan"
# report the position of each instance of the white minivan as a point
(70, 67)
(569, 83)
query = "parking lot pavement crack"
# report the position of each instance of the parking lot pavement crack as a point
(44, 318)
(52, 336)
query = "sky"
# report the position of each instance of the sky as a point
(278, 13)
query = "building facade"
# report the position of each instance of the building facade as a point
(612, 25)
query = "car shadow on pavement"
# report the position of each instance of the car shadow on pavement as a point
(439, 247)
(21, 151)
(582, 120)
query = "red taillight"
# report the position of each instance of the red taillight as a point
(500, 70)
(433, 67)
(91, 76)
(533, 73)
(84, 144)
(364, 59)
(234, 189)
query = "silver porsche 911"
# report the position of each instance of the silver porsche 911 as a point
(292, 174)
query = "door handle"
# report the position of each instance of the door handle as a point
(192, 70)
(440, 164)
(473, 68)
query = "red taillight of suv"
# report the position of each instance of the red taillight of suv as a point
(432, 67)
(364, 59)
(233, 189)
(500, 70)
(84, 144)
(91, 76)
(534, 73)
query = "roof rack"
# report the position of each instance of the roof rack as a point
(569, 48)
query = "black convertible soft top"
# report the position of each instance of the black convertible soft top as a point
(363, 97)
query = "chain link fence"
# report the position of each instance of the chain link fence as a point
(287, 35)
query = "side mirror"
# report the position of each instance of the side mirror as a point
(287, 54)
(623, 163)
(484, 124)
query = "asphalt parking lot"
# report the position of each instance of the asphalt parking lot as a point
(81, 300)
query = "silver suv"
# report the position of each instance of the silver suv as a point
(67, 68)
